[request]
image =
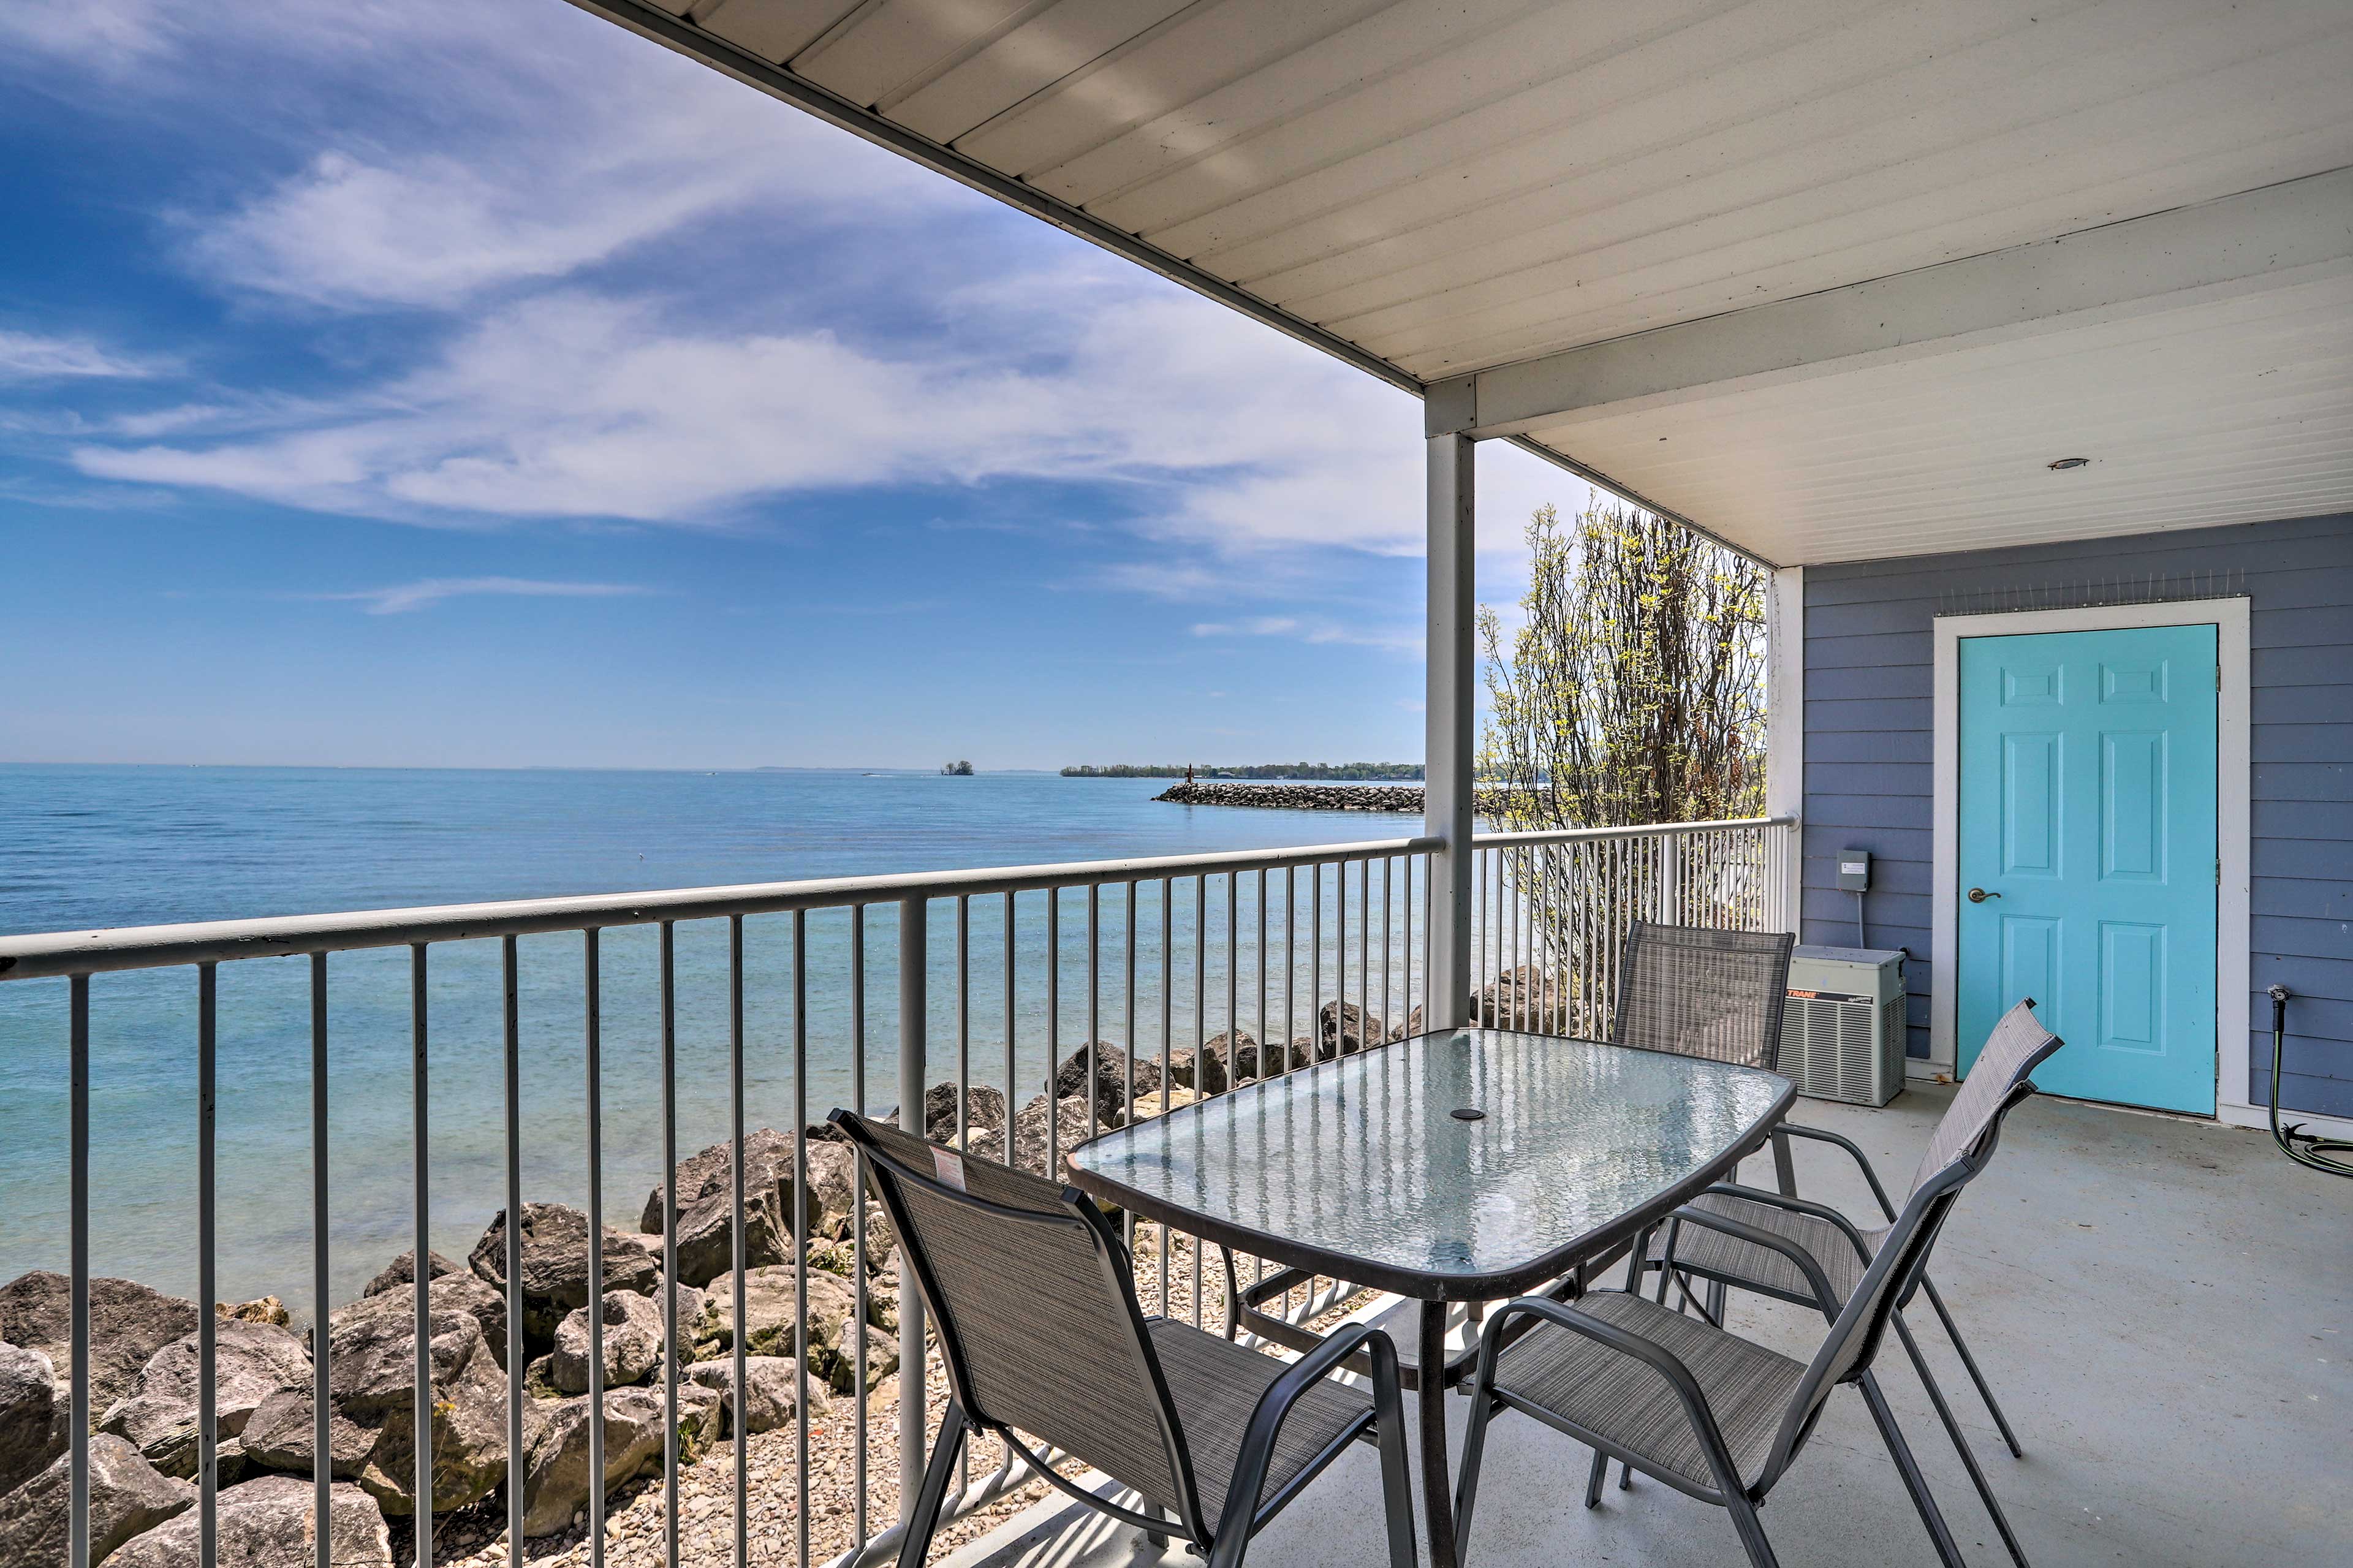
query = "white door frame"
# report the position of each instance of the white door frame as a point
(2232, 781)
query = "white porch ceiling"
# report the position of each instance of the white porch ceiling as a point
(1437, 187)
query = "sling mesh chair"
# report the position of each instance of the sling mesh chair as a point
(1713, 1414)
(1695, 991)
(1035, 1310)
(1698, 991)
(1840, 1249)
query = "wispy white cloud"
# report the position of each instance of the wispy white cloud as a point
(574, 403)
(37, 356)
(558, 385)
(402, 597)
(1398, 639)
(1257, 627)
(106, 36)
(424, 229)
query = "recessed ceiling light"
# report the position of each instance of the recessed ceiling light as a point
(2064, 464)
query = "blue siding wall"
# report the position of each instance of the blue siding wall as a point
(1869, 662)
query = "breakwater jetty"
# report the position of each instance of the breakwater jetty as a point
(1404, 800)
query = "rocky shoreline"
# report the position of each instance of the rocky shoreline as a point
(1402, 800)
(144, 1383)
(145, 1376)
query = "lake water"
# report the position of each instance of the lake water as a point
(87, 846)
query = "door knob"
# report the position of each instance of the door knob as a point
(1978, 895)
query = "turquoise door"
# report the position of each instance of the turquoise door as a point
(2087, 856)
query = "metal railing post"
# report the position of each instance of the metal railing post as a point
(914, 957)
(1670, 890)
(1446, 793)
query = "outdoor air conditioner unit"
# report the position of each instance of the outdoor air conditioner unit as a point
(1842, 1028)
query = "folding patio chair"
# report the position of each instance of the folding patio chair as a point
(1713, 1414)
(1695, 991)
(1839, 1249)
(1699, 991)
(1035, 1315)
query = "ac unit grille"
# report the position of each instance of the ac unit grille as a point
(1846, 1050)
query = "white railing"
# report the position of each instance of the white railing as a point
(1553, 908)
(1184, 949)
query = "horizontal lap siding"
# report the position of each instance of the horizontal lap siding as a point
(1870, 726)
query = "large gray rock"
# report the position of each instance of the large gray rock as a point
(770, 1303)
(771, 1391)
(1111, 1080)
(402, 1270)
(32, 1423)
(252, 1362)
(371, 1351)
(1030, 1151)
(1226, 1061)
(706, 1240)
(127, 1323)
(632, 1343)
(556, 1465)
(833, 1187)
(984, 1107)
(1210, 1071)
(1511, 999)
(128, 1495)
(555, 1265)
(483, 1302)
(271, 1522)
(1342, 1029)
(841, 1367)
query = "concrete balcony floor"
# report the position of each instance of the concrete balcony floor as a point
(2162, 1306)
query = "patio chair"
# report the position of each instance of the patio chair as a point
(1716, 1415)
(1037, 1320)
(1839, 1249)
(1701, 991)
(1696, 991)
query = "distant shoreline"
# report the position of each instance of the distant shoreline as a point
(1269, 772)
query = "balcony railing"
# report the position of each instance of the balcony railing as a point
(1302, 952)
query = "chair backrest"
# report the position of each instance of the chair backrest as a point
(1035, 1310)
(1960, 1149)
(2017, 1046)
(1695, 991)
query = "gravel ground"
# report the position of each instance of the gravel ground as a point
(635, 1534)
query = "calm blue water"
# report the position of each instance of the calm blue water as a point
(85, 847)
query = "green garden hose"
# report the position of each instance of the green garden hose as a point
(2317, 1149)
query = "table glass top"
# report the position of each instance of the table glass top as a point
(1364, 1157)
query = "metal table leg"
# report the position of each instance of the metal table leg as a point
(1436, 1483)
(1785, 1170)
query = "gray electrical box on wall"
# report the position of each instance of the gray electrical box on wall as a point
(1854, 871)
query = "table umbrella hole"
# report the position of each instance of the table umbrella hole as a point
(1468, 1114)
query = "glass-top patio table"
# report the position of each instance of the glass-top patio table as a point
(1467, 1165)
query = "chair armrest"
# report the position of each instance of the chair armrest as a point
(1274, 1405)
(1659, 1359)
(1796, 1205)
(1798, 1130)
(1824, 1297)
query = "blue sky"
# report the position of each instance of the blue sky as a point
(425, 383)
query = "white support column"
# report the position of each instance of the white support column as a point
(1447, 800)
(1785, 729)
